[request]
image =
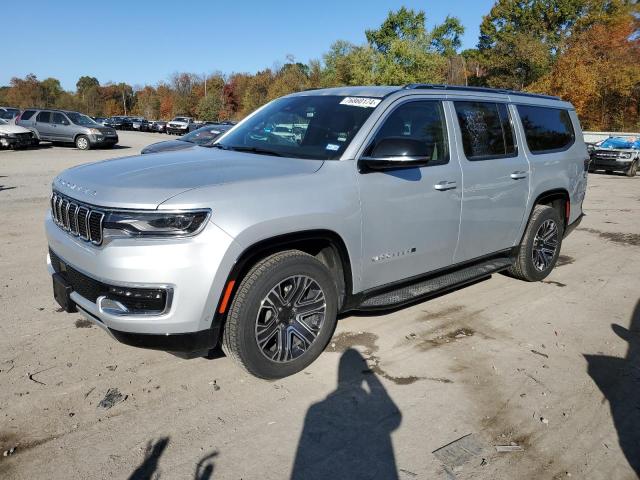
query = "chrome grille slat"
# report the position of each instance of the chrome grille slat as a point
(77, 219)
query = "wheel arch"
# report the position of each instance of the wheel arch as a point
(557, 198)
(325, 245)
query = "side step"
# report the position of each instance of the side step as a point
(435, 284)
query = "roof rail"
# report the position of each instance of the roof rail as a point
(435, 86)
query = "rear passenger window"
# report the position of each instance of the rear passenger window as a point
(418, 127)
(44, 117)
(486, 130)
(546, 129)
(59, 118)
(27, 114)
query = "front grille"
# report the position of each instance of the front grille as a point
(24, 136)
(137, 300)
(77, 219)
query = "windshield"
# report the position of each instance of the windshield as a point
(181, 119)
(80, 119)
(203, 136)
(3, 122)
(621, 142)
(318, 127)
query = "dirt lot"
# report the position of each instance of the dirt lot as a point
(553, 367)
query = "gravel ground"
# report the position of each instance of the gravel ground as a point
(551, 367)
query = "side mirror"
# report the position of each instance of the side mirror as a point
(394, 153)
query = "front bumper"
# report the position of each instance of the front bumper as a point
(610, 164)
(195, 269)
(103, 140)
(17, 142)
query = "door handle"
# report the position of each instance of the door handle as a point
(518, 175)
(445, 185)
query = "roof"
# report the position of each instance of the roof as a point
(384, 91)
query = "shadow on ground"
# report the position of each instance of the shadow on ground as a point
(619, 381)
(348, 434)
(148, 469)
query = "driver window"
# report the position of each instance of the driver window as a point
(418, 124)
(59, 119)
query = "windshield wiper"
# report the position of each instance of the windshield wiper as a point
(258, 150)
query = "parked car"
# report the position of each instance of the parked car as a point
(9, 113)
(101, 120)
(159, 126)
(67, 127)
(202, 137)
(139, 123)
(120, 122)
(616, 154)
(15, 136)
(393, 194)
(179, 125)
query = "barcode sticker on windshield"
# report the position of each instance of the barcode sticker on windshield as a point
(361, 102)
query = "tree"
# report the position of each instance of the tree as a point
(209, 107)
(84, 83)
(445, 38)
(405, 24)
(600, 74)
(51, 91)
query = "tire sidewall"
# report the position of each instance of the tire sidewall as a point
(251, 355)
(544, 215)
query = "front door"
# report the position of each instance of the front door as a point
(496, 178)
(62, 128)
(410, 215)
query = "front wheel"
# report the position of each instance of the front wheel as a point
(282, 316)
(633, 169)
(82, 143)
(540, 245)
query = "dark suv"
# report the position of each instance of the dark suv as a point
(67, 127)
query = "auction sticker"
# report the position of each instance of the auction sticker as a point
(364, 102)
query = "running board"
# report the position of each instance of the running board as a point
(435, 284)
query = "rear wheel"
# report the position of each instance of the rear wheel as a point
(540, 246)
(82, 142)
(633, 169)
(282, 315)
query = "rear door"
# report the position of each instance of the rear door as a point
(410, 216)
(44, 127)
(496, 177)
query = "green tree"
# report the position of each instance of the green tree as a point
(51, 91)
(84, 83)
(405, 24)
(446, 37)
(209, 107)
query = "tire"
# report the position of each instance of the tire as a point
(609, 172)
(633, 169)
(82, 142)
(254, 315)
(532, 264)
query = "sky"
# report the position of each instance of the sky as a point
(142, 42)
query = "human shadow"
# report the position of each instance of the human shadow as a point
(619, 381)
(148, 469)
(348, 434)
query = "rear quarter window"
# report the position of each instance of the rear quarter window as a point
(546, 129)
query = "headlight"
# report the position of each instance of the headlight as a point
(156, 224)
(624, 155)
(95, 131)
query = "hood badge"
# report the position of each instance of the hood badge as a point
(77, 188)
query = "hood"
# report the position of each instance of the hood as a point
(167, 146)
(9, 128)
(145, 181)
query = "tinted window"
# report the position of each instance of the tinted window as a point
(44, 117)
(59, 118)
(421, 125)
(486, 130)
(546, 129)
(27, 114)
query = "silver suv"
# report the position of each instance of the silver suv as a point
(318, 203)
(67, 127)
